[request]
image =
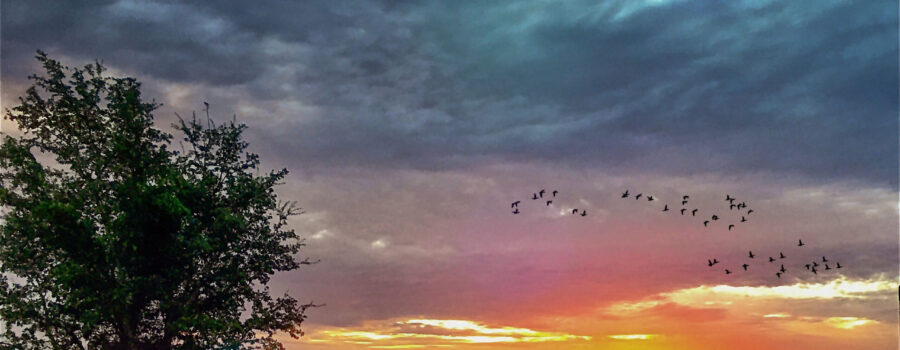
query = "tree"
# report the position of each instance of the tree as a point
(125, 243)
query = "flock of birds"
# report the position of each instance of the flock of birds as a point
(738, 208)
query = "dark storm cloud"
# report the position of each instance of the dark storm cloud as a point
(669, 87)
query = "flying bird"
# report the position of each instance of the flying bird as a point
(515, 204)
(685, 197)
(625, 195)
(749, 211)
(838, 265)
(751, 255)
(549, 202)
(535, 196)
(694, 212)
(584, 213)
(731, 207)
(541, 192)
(815, 264)
(682, 210)
(516, 211)
(743, 219)
(574, 211)
(705, 223)
(710, 262)
(638, 196)
(778, 274)
(727, 272)
(781, 255)
(824, 260)
(814, 271)
(807, 266)
(800, 244)
(827, 267)
(728, 198)
(683, 202)
(715, 217)
(555, 192)
(771, 259)
(730, 227)
(782, 268)
(650, 198)
(745, 266)
(666, 208)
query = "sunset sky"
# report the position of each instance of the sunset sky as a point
(409, 128)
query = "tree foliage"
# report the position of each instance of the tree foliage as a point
(111, 239)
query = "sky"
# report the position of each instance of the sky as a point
(409, 128)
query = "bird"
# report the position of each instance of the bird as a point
(549, 202)
(781, 255)
(730, 227)
(742, 205)
(666, 208)
(749, 211)
(745, 266)
(815, 264)
(584, 213)
(574, 211)
(694, 212)
(705, 223)
(715, 217)
(801, 243)
(710, 262)
(838, 265)
(814, 271)
(782, 268)
(650, 198)
(727, 272)
(625, 194)
(535, 196)
(778, 274)
(771, 259)
(685, 197)
(541, 193)
(731, 207)
(751, 255)
(682, 210)
(728, 198)
(807, 266)
(515, 204)
(715, 261)
(683, 202)
(827, 267)
(824, 260)
(516, 211)
(743, 219)
(638, 196)
(555, 192)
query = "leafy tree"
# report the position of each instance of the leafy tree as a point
(111, 239)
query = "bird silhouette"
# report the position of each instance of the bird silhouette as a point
(682, 210)
(771, 259)
(749, 211)
(743, 219)
(731, 207)
(807, 266)
(574, 211)
(745, 266)
(751, 255)
(683, 202)
(584, 213)
(824, 260)
(715, 217)
(715, 261)
(705, 223)
(650, 198)
(814, 271)
(555, 192)
(782, 268)
(781, 255)
(638, 196)
(838, 265)
(516, 211)
(710, 262)
(549, 202)
(728, 198)
(694, 212)
(625, 195)
(815, 264)
(666, 208)
(515, 204)
(778, 274)
(742, 205)
(730, 227)
(685, 197)
(535, 196)
(827, 267)
(727, 272)
(541, 193)
(801, 243)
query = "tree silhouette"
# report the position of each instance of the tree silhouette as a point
(111, 239)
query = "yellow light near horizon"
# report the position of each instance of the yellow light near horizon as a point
(776, 315)
(847, 322)
(633, 336)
